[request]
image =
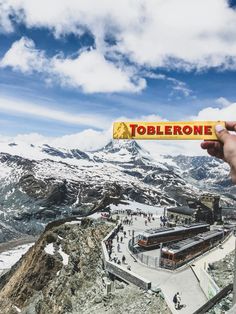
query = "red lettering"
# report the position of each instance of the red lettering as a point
(133, 129)
(150, 130)
(197, 129)
(208, 130)
(177, 130)
(141, 130)
(168, 130)
(187, 129)
(158, 130)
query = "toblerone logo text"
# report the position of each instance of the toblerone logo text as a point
(197, 130)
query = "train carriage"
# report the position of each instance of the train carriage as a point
(178, 254)
(152, 238)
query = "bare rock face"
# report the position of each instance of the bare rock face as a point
(63, 273)
(65, 259)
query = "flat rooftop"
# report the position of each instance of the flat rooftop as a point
(166, 230)
(184, 244)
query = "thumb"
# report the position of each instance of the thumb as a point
(221, 133)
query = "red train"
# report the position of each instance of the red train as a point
(153, 237)
(179, 253)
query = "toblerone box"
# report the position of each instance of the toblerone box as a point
(191, 130)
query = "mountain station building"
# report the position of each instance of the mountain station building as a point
(205, 209)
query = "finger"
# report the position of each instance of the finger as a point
(215, 152)
(211, 151)
(221, 133)
(208, 144)
(230, 125)
(212, 144)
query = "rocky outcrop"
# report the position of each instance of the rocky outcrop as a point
(222, 272)
(63, 262)
(63, 273)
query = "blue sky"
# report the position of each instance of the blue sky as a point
(66, 68)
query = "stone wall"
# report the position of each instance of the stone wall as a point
(127, 276)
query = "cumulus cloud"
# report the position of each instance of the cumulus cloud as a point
(24, 56)
(89, 71)
(186, 34)
(148, 34)
(210, 113)
(94, 73)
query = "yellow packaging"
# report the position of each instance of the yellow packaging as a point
(191, 130)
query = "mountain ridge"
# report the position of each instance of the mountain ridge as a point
(34, 191)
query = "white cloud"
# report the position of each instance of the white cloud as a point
(24, 57)
(86, 140)
(178, 87)
(93, 73)
(31, 138)
(89, 71)
(5, 23)
(43, 112)
(182, 34)
(223, 114)
(191, 147)
(89, 139)
(151, 117)
(223, 102)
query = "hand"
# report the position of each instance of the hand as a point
(225, 148)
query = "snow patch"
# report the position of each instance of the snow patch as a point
(65, 257)
(9, 258)
(73, 222)
(49, 249)
(17, 309)
(135, 206)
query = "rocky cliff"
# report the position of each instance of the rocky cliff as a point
(222, 272)
(63, 273)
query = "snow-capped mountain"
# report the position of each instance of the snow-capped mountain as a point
(41, 183)
(205, 172)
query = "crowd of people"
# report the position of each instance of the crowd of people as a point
(115, 243)
(119, 236)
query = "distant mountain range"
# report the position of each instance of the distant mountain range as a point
(41, 183)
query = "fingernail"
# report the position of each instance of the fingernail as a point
(219, 128)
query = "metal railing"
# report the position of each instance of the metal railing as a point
(118, 270)
(144, 258)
